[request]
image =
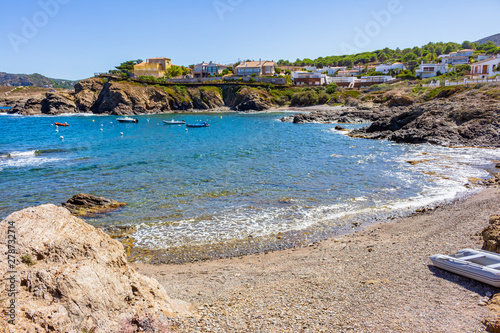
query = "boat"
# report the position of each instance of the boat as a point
(174, 122)
(198, 125)
(127, 120)
(479, 265)
(61, 124)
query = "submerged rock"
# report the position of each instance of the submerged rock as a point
(72, 277)
(84, 204)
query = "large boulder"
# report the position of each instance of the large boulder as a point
(248, 99)
(84, 204)
(491, 235)
(72, 277)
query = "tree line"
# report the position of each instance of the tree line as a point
(410, 56)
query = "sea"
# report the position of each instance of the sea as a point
(246, 175)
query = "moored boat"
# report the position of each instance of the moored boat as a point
(174, 122)
(127, 120)
(205, 124)
(479, 265)
(61, 124)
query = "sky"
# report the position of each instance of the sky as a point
(73, 39)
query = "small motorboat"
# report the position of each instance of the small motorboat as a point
(61, 124)
(479, 265)
(174, 122)
(198, 125)
(127, 120)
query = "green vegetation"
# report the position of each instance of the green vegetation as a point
(174, 71)
(126, 68)
(444, 92)
(28, 260)
(411, 56)
(332, 87)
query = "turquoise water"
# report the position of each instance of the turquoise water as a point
(246, 174)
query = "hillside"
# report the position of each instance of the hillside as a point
(493, 38)
(36, 80)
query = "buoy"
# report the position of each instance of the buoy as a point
(121, 133)
(101, 129)
(93, 120)
(57, 130)
(220, 117)
(102, 125)
(61, 137)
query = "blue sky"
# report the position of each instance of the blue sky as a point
(72, 39)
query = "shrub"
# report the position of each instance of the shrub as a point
(332, 87)
(252, 80)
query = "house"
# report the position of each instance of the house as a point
(425, 71)
(210, 69)
(346, 82)
(259, 68)
(461, 57)
(328, 70)
(309, 79)
(367, 81)
(152, 67)
(355, 71)
(386, 68)
(486, 68)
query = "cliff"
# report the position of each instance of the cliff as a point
(71, 277)
(129, 98)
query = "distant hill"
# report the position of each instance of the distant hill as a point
(36, 80)
(493, 38)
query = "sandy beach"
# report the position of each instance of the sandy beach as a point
(376, 280)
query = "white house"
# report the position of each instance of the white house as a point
(386, 68)
(425, 71)
(486, 68)
(458, 58)
(328, 70)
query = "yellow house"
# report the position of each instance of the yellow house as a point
(152, 67)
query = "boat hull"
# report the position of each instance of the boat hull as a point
(479, 265)
(197, 125)
(166, 122)
(128, 120)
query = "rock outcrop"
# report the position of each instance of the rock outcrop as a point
(491, 238)
(491, 235)
(58, 103)
(448, 122)
(72, 277)
(85, 204)
(100, 96)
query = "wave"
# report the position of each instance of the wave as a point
(20, 159)
(440, 174)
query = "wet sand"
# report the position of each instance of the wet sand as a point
(375, 280)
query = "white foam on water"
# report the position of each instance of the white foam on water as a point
(441, 173)
(21, 159)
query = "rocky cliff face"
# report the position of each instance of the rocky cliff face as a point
(129, 98)
(462, 121)
(72, 277)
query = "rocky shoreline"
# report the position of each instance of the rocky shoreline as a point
(469, 117)
(100, 96)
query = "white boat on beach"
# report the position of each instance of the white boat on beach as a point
(479, 265)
